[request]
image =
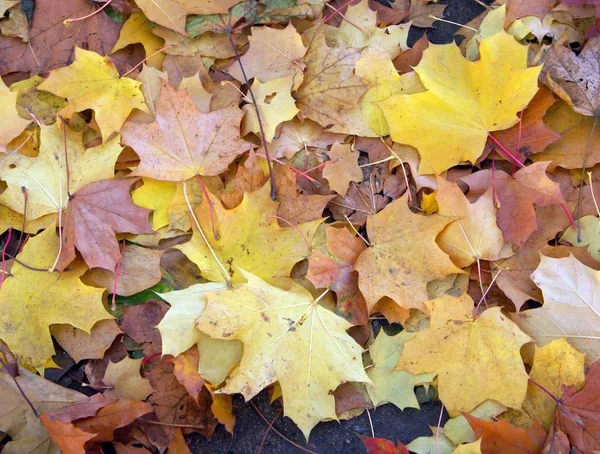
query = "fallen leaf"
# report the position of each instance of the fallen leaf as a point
(273, 54)
(390, 268)
(18, 420)
(138, 29)
(125, 381)
(140, 323)
(300, 334)
(275, 105)
(517, 194)
(391, 385)
(33, 300)
(45, 176)
(94, 215)
(12, 124)
(460, 103)
(342, 168)
(502, 437)
(570, 307)
(249, 238)
(183, 142)
(93, 82)
(179, 333)
(42, 104)
(329, 86)
(574, 78)
(81, 345)
(139, 269)
(475, 359)
(296, 135)
(520, 8)
(474, 235)
(585, 235)
(382, 446)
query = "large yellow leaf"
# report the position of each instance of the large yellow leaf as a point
(571, 306)
(249, 238)
(289, 338)
(475, 359)
(403, 256)
(93, 82)
(464, 101)
(45, 176)
(32, 300)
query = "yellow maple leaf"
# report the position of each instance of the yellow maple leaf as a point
(474, 235)
(93, 82)
(31, 301)
(464, 101)
(289, 338)
(474, 359)
(138, 29)
(45, 176)
(250, 238)
(275, 104)
(126, 381)
(343, 168)
(12, 123)
(403, 256)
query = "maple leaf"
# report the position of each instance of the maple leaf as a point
(577, 413)
(330, 85)
(249, 238)
(474, 235)
(333, 267)
(574, 78)
(140, 323)
(359, 29)
(51, 47)
(501, 436)
(571, 149)
(94, 215)
(275, 104)
(343, 168)
(183, 142)
(390, 385)
(16, 417)
(45, 177)
(587, 234)
(42, 104)
(12, 123)
(179, 333)
(382, 446)
(272, 54)
(517, 195)
(172, 13)
(298, 135)
(475, 359)
(93, 82)
(570, 307)
(520, 8)
(464, 101)
(288, 337)
(555, 366)
(33, 300)
(138, 29)
(403, 256)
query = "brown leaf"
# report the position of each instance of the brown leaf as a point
(184, 142)
(517, 195)
(407, 60)
(139, 323)
(390, 16)
(349, 396)
(503, 438)
(520, 8)
(95, 214)
(81, 345)
(178, 444)
(52, 44)
(185, 369)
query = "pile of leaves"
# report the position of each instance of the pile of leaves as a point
(205, 198)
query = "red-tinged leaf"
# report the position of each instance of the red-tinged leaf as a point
(521, 8)
(382, 446)
(578, 413)
(501, 437)
(96, 213)
(518, 196)
(68, 438)
(111, 417)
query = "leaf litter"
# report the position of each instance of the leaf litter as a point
(204, 199)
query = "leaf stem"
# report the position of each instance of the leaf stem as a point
(516, 160)
(258, 116)
(69, 21)
(37, 415)
(552, 396)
